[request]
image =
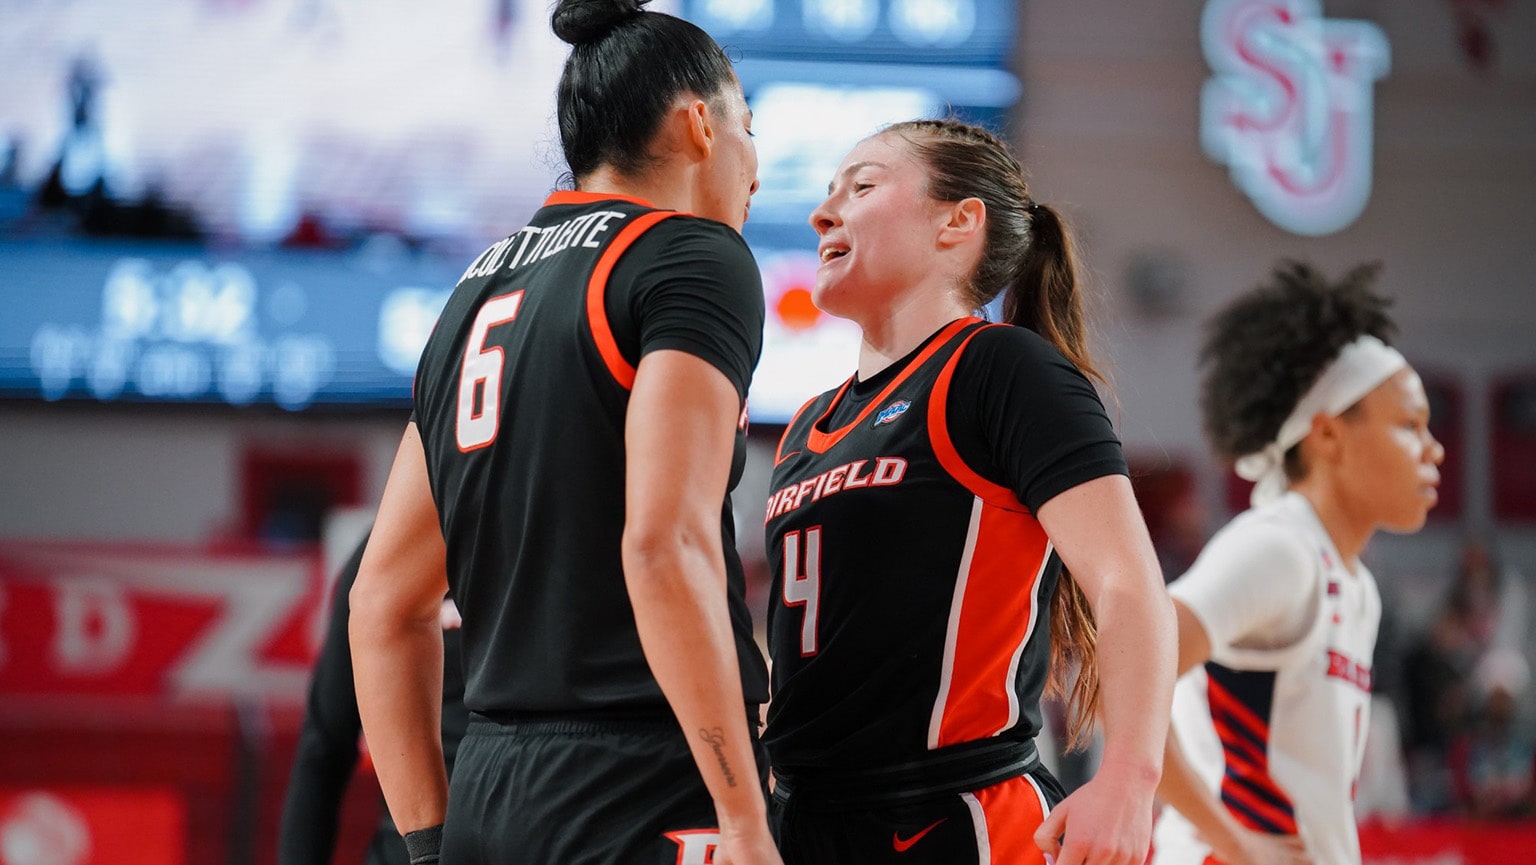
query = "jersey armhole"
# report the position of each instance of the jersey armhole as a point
(944, 446)
(622, 370)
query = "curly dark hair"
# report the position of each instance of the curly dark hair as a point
(1267, 347)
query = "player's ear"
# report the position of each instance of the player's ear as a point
(687, 130)
(1324, 442)
(700, 127)
(962, 220)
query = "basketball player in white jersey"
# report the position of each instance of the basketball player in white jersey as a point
(1277, 617)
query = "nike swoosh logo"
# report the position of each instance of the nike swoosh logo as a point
(780, 460)
(903, 846)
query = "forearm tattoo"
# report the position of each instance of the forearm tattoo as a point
(716, 740)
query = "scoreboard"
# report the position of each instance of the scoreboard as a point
(245, 322)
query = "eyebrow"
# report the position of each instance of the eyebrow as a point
(868, 163)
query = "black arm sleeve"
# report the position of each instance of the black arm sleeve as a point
(695, 288)
(327, 751)
(1021, 415)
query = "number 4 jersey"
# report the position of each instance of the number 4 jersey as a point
(912, 582)
(521, 397)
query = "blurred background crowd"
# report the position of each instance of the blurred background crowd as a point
(227, 226)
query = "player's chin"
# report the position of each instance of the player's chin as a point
(827, 295)
(1409, 520)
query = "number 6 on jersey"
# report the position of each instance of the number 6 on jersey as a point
(481, 371)
(803, 588)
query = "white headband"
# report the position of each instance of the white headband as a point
(1360, 367)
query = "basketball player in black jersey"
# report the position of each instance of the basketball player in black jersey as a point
(327, 751)
(922, 521)
(579, 421)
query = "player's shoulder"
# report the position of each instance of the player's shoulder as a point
(1008, 363)
(1010, 346)
(1253, 557)
(686, 228)
(686, 250)
(1267, 534)
(683, 243)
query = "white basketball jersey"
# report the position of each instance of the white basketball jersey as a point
(1278, 734)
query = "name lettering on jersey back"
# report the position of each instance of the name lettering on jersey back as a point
(887, 472)
(533, 243)
(1342, 666)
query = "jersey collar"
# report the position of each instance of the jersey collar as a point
(572, 196)
(821, 442)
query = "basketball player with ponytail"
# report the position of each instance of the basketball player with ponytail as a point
(1277, 617)
(579, 420)
(952, 533)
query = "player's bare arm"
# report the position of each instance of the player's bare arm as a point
(1102, 541)
(397, 643)
(679, 436)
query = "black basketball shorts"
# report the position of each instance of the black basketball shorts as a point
(579, 791)
(992, 826)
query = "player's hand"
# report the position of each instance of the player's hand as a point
(1248, 847)
(747, 845)
(1108, 821)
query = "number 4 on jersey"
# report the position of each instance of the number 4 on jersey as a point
(802, 587)
(475, 426)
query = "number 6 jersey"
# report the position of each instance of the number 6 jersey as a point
(521, 397)
(912, 583)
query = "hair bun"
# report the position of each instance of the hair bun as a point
(581, 21)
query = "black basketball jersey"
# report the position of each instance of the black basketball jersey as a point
(911, 595)
(520, 399)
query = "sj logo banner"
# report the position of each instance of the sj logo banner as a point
(1289, 108)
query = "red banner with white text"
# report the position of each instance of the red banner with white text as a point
(158, 622)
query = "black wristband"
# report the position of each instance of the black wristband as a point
(423, 845)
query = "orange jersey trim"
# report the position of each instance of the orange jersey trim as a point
(1009, 814)
(571, 196)
(996, 617)
(944, 448)
(597, 315)
(779, 455)
(820, 442)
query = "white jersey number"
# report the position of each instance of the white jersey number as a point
(481, 371)
(802, 587)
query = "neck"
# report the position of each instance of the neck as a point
(1348, 530)
(903, 325)
(666, 190)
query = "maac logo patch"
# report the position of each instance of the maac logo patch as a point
(892, 411)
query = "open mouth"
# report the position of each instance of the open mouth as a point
(828, 253)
